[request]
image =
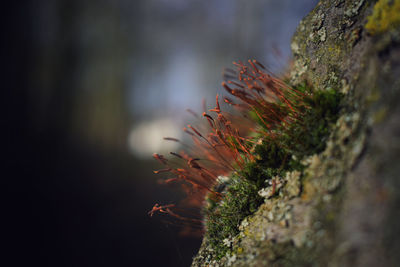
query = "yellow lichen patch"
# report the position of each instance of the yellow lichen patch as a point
(335, 50)
(385, 16)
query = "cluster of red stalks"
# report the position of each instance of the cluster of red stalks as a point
(223, 146)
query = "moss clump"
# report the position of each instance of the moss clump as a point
(274, 157)
(223, 218)
(385, 15)
(308, 136)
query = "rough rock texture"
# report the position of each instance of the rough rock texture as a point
(344, 209)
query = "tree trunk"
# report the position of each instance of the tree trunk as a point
(347, 209)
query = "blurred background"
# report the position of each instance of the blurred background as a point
(91, 87)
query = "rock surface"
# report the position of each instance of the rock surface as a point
(344, 210)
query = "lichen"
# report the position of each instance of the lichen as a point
(385, 16)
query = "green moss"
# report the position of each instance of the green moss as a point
(385, 16)
(222, 220)
(275, 156)
(270, 154)
(309, 135)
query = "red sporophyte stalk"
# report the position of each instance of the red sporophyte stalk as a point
(224, 146)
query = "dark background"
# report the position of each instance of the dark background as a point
(86, 84)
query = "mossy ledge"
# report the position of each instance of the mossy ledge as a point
(339, 197)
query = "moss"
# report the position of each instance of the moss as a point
(222, 220)
(385, 16)
(275, 157)
(309, 136)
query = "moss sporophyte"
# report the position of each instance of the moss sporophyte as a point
(237, 155)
